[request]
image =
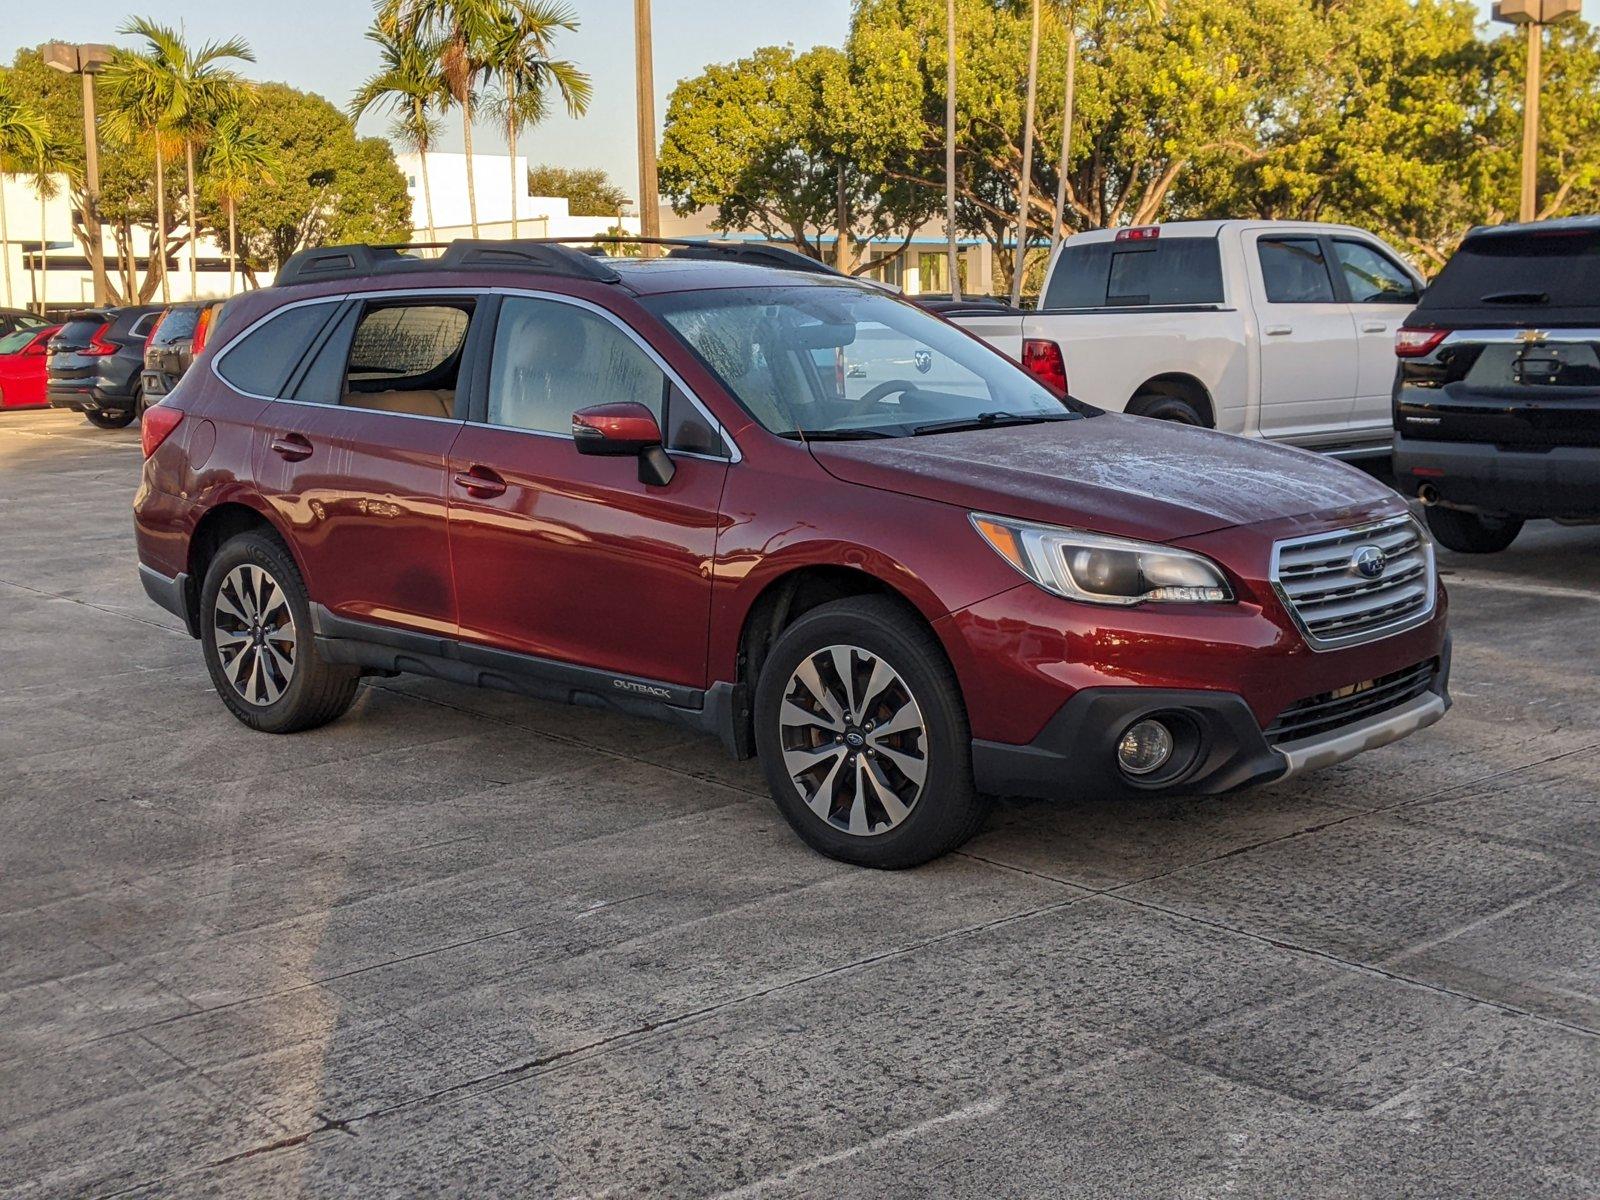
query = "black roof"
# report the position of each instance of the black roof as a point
(550, 256)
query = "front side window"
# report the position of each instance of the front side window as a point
(1372, 276)
(1294, 271)
(837, 360)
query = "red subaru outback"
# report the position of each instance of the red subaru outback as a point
(668, 486)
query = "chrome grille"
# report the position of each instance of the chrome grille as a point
(1332, 711)
(1334, 604)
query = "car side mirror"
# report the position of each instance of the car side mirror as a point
(624, 430)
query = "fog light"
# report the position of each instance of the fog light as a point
(1145, 746)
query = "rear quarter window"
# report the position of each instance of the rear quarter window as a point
(262, 360)
(1167, 271)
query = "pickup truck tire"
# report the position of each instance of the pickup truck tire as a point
(1470, 532)
(1165, 408)
(875, 769)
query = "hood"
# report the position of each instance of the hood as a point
(1115, 474)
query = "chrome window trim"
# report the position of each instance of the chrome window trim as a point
(734, 455)
(1421, 617)
(356, 408)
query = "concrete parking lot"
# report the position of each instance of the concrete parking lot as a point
(465, 943)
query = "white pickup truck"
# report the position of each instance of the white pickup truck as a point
(1274, 329)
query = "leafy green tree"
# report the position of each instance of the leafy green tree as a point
(519, 58)
(772, 142)
(410, 85)
(589, 191)
(330, 185)
(238, 159)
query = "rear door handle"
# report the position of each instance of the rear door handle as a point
(480, 481)
(1374, 327)
(291, 446)
(1279, 330)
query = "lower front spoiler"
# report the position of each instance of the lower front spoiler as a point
(1076, 751)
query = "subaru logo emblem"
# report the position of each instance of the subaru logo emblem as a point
(1369, 562)
(924, 360)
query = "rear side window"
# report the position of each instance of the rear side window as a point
(261, 361)
(143, 324)
(406, 342)
(1295, 271)
(1532, 273)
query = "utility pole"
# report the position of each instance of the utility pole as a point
(645, 85)
(950, 147)
(1027, 161)
(1535, 14)
(86, 61)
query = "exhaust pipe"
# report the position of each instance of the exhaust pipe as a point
(1428, 494)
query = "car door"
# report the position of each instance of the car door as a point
(570, 557)
(1380, 291)
(353, 458)
(1306, 342)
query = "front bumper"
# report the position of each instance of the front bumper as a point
(1076, 750)
(1563, 481)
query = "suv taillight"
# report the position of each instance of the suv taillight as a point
(156, 426)
(151, 336)
(1417, 343)
(202, 326)
(98, 346)
(1042, 359)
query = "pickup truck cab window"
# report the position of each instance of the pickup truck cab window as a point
(1165, 271)
(1371, 276)
(1295, 271)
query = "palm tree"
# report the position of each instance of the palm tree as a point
(193, 90)
(464, 30)
(237, 158)
(1027, 157)
(50, 160)
(24, 132)
(519, 58)
(138, 102)
(410, 85)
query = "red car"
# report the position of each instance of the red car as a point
(643, 484)
(23, 357)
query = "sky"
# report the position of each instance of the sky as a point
(317, 45)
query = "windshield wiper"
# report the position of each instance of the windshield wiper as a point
(837, 435)
(990, 420)
(1515, 298)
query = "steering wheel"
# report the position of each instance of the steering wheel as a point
(887, 388)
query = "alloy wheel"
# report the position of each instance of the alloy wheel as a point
(255, 634)
(854, 740)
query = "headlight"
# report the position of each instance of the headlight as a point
(1103, 570)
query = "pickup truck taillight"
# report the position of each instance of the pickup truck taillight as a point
(1042, 359)
(1417, 343)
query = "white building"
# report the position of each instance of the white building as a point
(494, 176)
(61, 275)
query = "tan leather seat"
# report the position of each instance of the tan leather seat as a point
(436, 403)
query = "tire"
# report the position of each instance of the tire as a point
(1470, 532)
(900, 821)
(115, 418)
(141, 405)
(1166, 408)
(310, 692)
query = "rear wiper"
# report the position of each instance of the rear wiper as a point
(1515, 298)
(990, 420)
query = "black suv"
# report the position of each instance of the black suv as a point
(1497, 400)
(96, 362)
(179, 335)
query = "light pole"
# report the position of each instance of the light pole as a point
(1535, 14)
(950, 147)
(86, 61)
(645, 84)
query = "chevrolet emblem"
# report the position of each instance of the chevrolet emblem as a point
(1530, 336)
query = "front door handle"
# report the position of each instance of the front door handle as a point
(1279, 330)
(1374, 327)
(481, 482)
(291, 446)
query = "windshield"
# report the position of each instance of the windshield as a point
(841, 362)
